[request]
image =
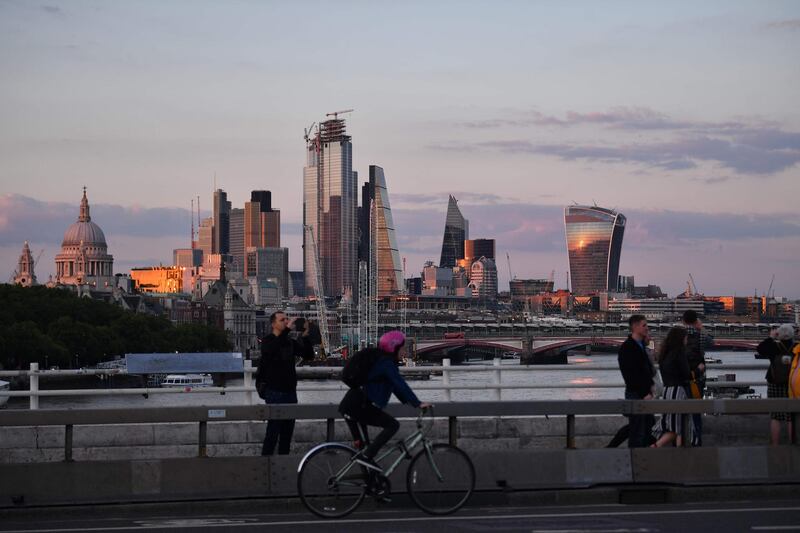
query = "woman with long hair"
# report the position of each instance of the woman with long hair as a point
(674, 367)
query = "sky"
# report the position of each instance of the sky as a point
(682, 116)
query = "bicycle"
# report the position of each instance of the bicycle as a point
(440, 478)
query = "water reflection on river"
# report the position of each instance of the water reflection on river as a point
(580, 373)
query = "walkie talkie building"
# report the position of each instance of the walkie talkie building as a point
(594, 246)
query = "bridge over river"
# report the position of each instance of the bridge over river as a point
(535, 349)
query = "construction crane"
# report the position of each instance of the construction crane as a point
(39, 256)
(770, 286)
(510, 275)
(335, 114)
(322, 315)
(693, 286)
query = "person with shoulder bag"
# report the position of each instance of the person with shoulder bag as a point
(779, 349)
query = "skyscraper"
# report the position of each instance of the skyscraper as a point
(390, 270)
(262, 222)
(474, 249)
(237, 238)
(594, 245)
(222, 220)
(205, 236)
(330, 203)
(456, 231)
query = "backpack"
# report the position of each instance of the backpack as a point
(780, 365)
(356, 370)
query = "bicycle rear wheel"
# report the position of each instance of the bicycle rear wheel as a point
(441, 483)
(318, 487)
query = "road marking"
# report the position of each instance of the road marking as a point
(457, 518)
(623, 530)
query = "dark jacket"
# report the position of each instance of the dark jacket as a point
(385, 379)
(697, 342)
(771, 349)
(675, 369)
(276, 369)
(636, 368)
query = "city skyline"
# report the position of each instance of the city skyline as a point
(683, 117)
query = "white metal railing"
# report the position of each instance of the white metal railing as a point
(446, 370)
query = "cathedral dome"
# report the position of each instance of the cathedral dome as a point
(87, 233)
(84, 230)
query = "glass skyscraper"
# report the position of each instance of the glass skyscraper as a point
(594, 246)
(390, 271)
(456, 231)
(330, 204)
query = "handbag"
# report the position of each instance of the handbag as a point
(694, 389)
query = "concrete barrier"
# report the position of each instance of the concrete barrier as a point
(180, 479)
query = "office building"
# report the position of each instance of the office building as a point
(237, 239)
(653, 308)
(390, 269)
(221, 223)
(330, 203)
(271, 264)
(483, 278)
(161, 279)
(187, 258)
(594, 245)
(456, 231)
(297, 280)
(205, 236)
(477, 248)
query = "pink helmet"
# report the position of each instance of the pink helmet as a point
(392, 341)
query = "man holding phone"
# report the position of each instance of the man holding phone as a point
(276, 378)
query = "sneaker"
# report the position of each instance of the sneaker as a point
(369, 464)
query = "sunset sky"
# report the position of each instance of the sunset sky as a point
(684, 116)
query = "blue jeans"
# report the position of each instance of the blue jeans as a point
(640, 426)
(278, 431)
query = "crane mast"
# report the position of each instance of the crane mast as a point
(322, 315)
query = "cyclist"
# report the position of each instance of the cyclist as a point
(363, 406)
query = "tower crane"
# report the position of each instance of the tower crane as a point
(510, 275)
(322, 315)
(770, 286)
(335, 114)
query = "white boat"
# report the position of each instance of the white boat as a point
(187, 380)
(4, 385)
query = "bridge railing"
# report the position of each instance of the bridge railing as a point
(451, 411)
(447, 371)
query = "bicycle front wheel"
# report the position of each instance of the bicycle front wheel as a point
(328, 484)
(441, 482)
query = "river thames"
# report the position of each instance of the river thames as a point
(581, 375)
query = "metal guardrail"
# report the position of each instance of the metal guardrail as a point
(446, 370)
(203, 415)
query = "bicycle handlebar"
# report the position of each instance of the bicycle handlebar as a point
(422, 412)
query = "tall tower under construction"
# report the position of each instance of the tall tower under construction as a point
(330, 207)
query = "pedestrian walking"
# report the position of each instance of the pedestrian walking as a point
(276, 378)
(674, 368)
(637, 371)
(778, 348)
(697, 342)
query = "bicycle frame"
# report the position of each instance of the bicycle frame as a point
(403, 449)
